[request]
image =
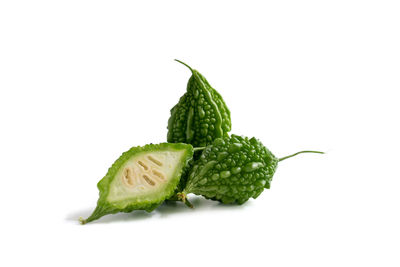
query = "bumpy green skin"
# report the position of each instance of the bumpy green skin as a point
(232, 170)
(200, 116)
(104, 207)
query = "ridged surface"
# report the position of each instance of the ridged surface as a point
(232, 170)
(104, 207)
(200, 116)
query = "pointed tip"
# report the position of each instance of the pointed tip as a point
(183, 63)
(318, 152)
(82, 221)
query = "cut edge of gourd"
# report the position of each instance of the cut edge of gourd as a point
(104, 207)
(144, 175)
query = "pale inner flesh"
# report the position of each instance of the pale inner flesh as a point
(144, 174)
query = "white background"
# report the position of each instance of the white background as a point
(83, 81)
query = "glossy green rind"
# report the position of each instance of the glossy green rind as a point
(200, 116)
(143, 202)
(232, 170)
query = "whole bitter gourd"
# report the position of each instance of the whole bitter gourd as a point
(200, 116)
(141, 179)
(232, 170)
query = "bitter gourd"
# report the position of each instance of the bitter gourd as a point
(232, 170)
(141, 179)
(201, 114)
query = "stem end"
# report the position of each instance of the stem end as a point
(82, 221)
(300, 152)
(185, 65)
(182, 197)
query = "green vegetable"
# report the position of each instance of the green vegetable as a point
(141, 179)
(201, 114)
(232, 170)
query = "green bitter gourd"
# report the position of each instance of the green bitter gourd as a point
(141, 179)
(232, 170)
(201, 114)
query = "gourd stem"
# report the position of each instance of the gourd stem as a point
(295, 154)
(198, 148)
(185, 64)
(182, 197)
(187, 203)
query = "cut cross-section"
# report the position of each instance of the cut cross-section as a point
(128, 177)
(155, 161)
(145, 174)
(142, 178)
(158, 174)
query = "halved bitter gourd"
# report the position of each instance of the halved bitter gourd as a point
(141, 179)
